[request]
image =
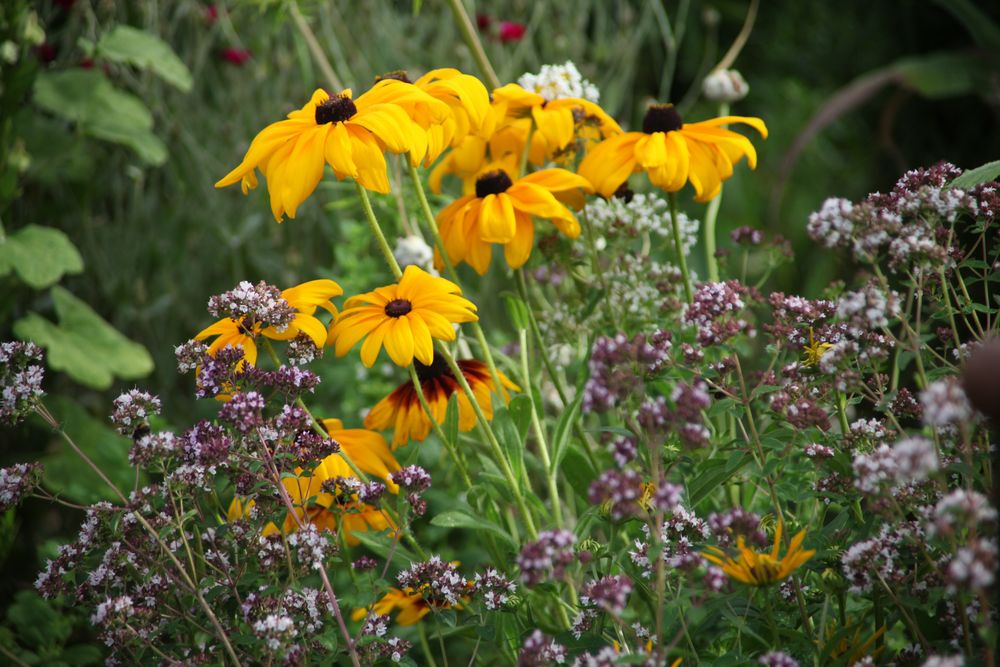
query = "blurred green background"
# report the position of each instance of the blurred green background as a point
(897, 83)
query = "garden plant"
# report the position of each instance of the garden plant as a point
(541, 410)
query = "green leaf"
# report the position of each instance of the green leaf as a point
(560, 438)
(520, 411)
(511, 441)
(461, 519)
(125, 44)
(714, 473)
(517, 310)
(39, 255)
(982, 29)
(37, 623)
(973, 177)
(84, 345)
(942, 74)
(450, 425)
(101, 110)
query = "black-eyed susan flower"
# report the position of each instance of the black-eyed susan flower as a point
(557, 123)
(349, 134)
(402, 412)
(502, 211)
(302, 300)
(672, 153)
(762, 569)
(313, 503)
(404, 317)
(470, 111)
(431, 584)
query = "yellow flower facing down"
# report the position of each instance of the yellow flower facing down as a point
(502, 211)
(369, 452)
(305, 299)
(762, 569)
(557, 123)
(673, 153)
(470, 111)
(402, 412)
(405, 318)
(349, 134)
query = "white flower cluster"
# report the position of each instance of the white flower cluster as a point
(960, 509)
(311, 546)
(642, 214)
(554, 82)
(413, 250)
(831, 225)
(275, 629)
(945, 403)
(910, 461)
(973, 567)
(868, 309)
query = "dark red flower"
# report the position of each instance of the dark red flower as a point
(236, 56)
(483, 21)
(45, 52)
(511, 31)
(211, 14)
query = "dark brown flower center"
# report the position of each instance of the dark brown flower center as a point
(398, 307)
(437, 368)
(492, 183)
(398, 75)
(662, 118)
(336, 109)
(624, 193)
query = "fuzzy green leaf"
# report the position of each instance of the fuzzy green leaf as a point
(125, 44)
(83, 344)
(39, 255)
(973, 177)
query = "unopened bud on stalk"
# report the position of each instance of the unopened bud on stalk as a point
(725, 85)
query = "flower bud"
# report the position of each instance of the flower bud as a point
(726, 85)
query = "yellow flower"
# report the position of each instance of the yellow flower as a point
(412, 607)
(762, 569)
(405, 317)
(814, 351)
(501, 211)
(672, 153)
(304, 298)
(469, 103)
(369, 452)
(350, 135)
(556, 122)
(402, 412)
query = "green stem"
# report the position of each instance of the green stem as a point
(425, 207)
(471, 38)
(314, 46)
(491, 438)
(425, 645)
(366, 206)
(543, 448)
(679, 248)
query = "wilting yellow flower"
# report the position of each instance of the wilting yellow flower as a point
(814, 351)
(556, 122)
(369, 452)
(350, 135)
(501, 211)
(672, 153)
(304, 298)
(402, 412)
(762, 569)
(405, 317)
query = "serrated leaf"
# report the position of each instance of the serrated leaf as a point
(39, 255)
(125, 44)
(102, 111)
(66, 475)
(973, 177)
(83, 344)
(460, 519)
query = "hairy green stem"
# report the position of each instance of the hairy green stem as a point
(543, 448)
(711, 216)
(366, 206)
(450, 446)
(679, 247)
(471, 38)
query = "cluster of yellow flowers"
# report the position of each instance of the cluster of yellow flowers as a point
(488, 141)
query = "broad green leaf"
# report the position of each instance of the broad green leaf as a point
(39, 255)
(460, 519)
(87, 98)
(84, 345)
(450, 425)
(973, 177)
(517, 310)
(125, 44)
(520, 411)
(714, 473)
(66, 475)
